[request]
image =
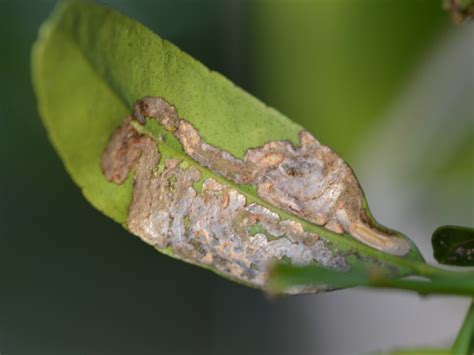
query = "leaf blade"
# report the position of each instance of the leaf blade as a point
(103, 54)
(454, 245)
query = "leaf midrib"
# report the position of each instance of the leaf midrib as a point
(345, 242)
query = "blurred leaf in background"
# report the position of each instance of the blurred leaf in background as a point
(334, 66)
(454, 245)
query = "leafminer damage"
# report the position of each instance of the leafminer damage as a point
(215, 226)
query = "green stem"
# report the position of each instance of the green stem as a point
(433, 272)
(464, 343)
(445, 286)
(429, 271)
(283, 276)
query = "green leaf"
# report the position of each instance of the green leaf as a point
(91, 64)
(453, 245)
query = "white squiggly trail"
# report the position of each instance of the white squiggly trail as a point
(310, 181)
(216, 227)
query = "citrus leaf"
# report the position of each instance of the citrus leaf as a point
(453, 245)
(201, 170)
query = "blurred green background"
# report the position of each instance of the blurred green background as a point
(387, 83)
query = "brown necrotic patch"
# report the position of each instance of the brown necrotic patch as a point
(215, 227)
(309, 181)
(124, 148)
